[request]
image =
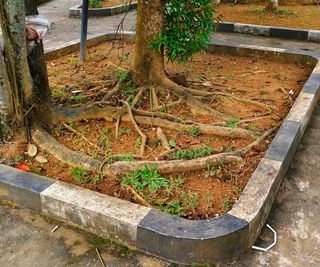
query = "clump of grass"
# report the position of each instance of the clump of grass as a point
(191, 153)
(80, 175)
(125, 157)
(147, 178)
(232, 123)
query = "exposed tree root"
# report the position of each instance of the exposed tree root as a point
(46, 142)
(153, 98)
(118, 125)
(138, 96)
(111, 113)
(196, 106)
(137, 196)
(163, 139)
(205, 129)
(169, 105)
(143, 136)
(247, 101)
(111, 93)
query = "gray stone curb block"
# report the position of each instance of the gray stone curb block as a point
(260, 192)
(280, 32)
(285, 142)
(173, 238)
(94, 212)
(183, 241)
(251, 29)
(22, 188)
(76, 11)
(314, 36)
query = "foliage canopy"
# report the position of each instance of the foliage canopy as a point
(188, 24)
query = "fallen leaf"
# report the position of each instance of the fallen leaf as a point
(22, 167)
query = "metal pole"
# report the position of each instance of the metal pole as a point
(84, 30)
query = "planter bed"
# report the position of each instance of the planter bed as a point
(174, 238)
(75, 11)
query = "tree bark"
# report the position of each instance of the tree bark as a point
(148, 63)
(6, 108)
(12, 21)
(38, 70)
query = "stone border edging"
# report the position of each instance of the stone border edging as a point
(169, 237)
(280, 32)
(75, 11)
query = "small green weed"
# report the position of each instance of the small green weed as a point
(172, 143)
(174, 208)
(96, 179)
(125, 131)
(195, 131)
(17, 159)
(95, 3)
(137, 142)
(208, 200)
(232, 123)
(126, 157)
(148, 178)
(79, 98)
(251, 127)
(226, 203)
(191, 153)
(80, 175)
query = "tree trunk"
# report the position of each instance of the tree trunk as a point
(15, 52)
(148, 64)
(28, 90)
(6, 108)
(272, 5)
(38, 70)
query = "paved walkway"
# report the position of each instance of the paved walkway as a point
(26, 238)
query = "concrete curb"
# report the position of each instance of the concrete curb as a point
(169, 237)
(280, 32)
(75, 11)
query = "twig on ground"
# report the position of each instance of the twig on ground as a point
(81, 135)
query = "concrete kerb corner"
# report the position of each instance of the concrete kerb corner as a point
(169, 237)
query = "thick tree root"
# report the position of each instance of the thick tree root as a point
(142, 135)
(46, 142)
(173, 166)
(137, 196)
(111, 113)
(162, 137)
(196, 106)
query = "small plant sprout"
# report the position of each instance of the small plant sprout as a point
(80, 175)
(208, 199)
(125, 131)
(226, 203)
(174, 208)
(172, 143)
(147, 178)
(137, 142)
(232, 123)
(96, 179)
(195, 131)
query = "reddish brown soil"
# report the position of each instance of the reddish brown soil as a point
(306, 17)
(74, 84)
